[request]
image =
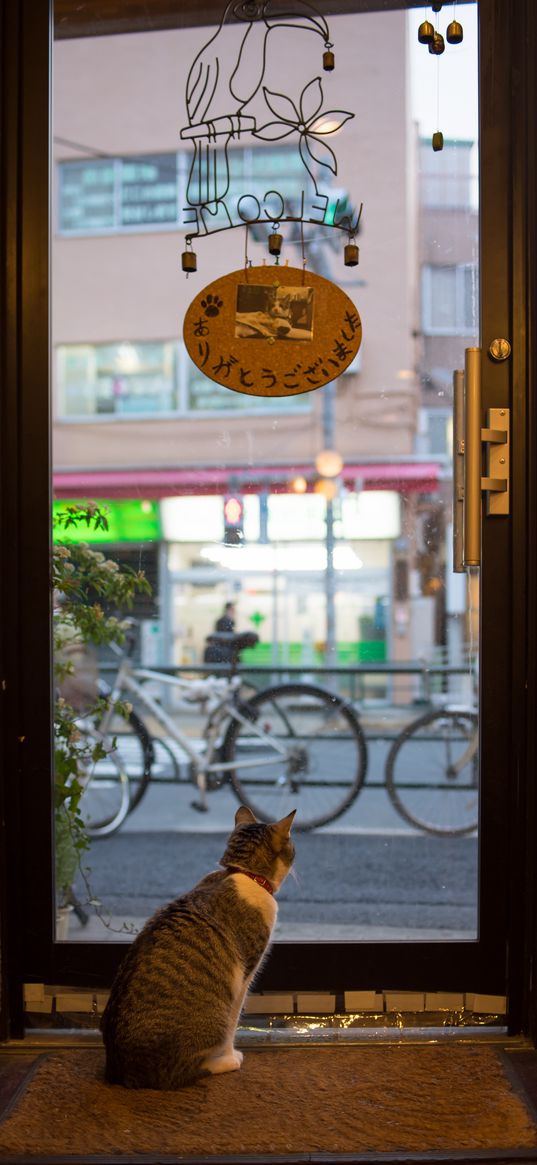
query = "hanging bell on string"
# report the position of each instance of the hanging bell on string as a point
(454, 32)
(437, 45)
(189, 261)
(275, 242)
(329, 59)
(426, 32)
(351, 255)
(438, 141)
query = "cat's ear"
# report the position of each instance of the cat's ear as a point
(244, 816)
(283, 827)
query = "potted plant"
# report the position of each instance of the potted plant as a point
(87, 586)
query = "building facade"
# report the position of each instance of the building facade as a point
(134, 419)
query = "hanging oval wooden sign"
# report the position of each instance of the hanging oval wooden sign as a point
(272, 331)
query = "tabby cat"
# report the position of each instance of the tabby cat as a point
(177, 996)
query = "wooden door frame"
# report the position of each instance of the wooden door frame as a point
(508, 739)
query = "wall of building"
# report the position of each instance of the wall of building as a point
(125, 95)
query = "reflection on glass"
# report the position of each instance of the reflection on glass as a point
(356, 592)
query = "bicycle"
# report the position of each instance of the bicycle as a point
(279, 736)
(290, 746)
(105, 799)
(432, 772)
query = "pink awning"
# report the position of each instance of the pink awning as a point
(404, 477)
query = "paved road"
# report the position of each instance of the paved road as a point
(367, 875)
(347, 885)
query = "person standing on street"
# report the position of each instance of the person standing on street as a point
(226, 622)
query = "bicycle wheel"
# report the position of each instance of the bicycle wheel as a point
(135, 752)
(105, 800)
(299, 747)
(432, 773)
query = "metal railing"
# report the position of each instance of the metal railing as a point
(428, 682)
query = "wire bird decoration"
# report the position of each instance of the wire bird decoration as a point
(220, 91)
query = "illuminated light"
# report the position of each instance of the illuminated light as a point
(146, 507)
(266, 559)
(233, 519)
(327, 488)
(432, 586)
(127, 359)
(233, 510)
(126, 520)
(299, 485)
(329, 463)
(405, 374)
(325, 125)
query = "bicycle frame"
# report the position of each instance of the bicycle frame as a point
(471, 748)
(127, 681)
(465, 757)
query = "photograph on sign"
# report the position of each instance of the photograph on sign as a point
(268, 311)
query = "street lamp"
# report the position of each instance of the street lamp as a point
(329, 463)
(327, 488)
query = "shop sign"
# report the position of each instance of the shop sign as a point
(272, 331)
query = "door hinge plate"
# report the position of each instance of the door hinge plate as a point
(496, 483)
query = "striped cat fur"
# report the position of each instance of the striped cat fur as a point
(178, 994)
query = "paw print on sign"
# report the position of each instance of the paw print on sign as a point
(211, 305)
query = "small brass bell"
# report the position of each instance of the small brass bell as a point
(189, 261)
(454, 32)
(351, 255)
(438, 141)
(329, 60)
(275, 243)
(437, 44)
(426, 32)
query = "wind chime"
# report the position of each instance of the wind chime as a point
(270, 330)
(431, 36)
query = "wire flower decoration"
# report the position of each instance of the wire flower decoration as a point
(309, 121)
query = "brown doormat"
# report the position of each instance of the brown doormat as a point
(353, 1100)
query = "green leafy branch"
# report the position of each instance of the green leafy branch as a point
(88, 588)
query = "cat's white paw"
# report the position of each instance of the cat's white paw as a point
(239, 1055)
(227, 1062)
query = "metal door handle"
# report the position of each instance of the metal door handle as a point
(468, 482)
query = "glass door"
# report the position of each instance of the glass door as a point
(342, 580)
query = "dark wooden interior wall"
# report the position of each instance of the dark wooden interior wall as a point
(25, 719)
(524, 194)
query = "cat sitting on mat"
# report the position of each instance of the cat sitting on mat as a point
(177, 996)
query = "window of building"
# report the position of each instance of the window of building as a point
(435, 434)
(205, 396)
(149, 190)
(122, 378)
(449, 299)
(147, 379)
(448, 177)
(118, 193)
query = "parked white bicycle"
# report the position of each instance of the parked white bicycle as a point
(290, 746)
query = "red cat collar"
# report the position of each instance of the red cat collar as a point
(261, 881)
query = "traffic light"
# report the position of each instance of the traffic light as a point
(233, 520)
